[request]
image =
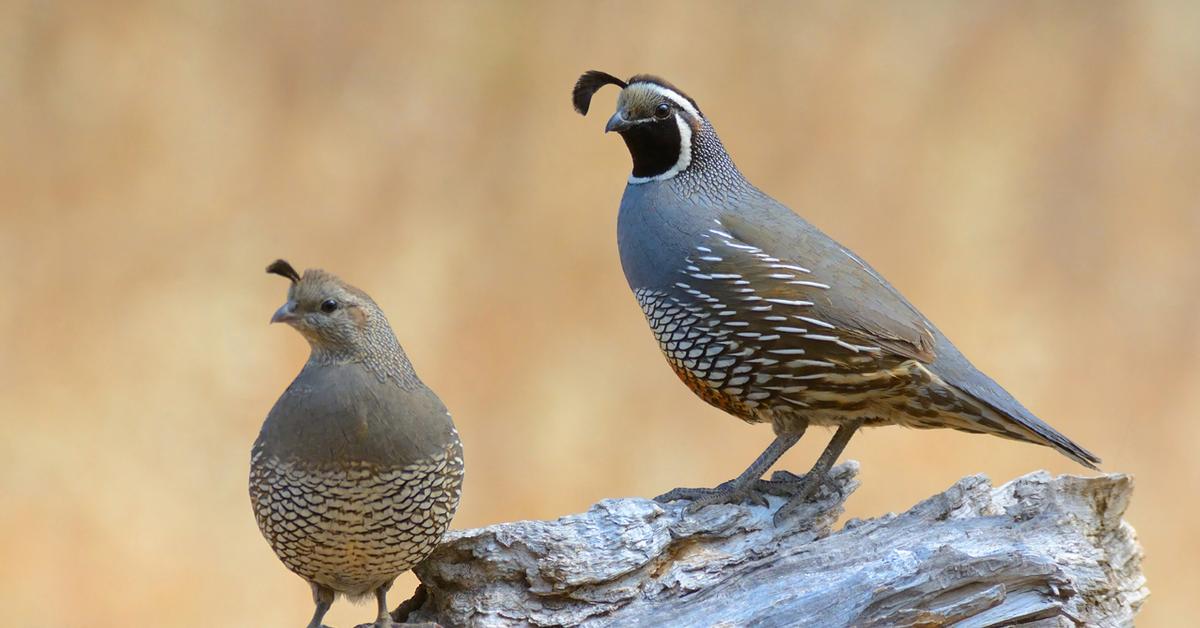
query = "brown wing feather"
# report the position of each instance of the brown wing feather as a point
(854, 302)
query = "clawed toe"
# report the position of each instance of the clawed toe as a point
(723, 494)
(684, 494)
(785, 476)
(728, 496)
(799, 490)
(790, 485)
(785, 511)
(782, 484)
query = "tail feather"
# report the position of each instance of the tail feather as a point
(1005, 416)
(1043, 434)
(1024, 427)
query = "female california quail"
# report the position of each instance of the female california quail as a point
(358, 468)
(764, 316)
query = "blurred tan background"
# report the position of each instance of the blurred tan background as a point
(1025, 172)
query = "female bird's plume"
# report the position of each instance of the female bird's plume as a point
(284, 269)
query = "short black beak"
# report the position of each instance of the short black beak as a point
(617, 123)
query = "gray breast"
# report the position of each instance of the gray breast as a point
(346, 413)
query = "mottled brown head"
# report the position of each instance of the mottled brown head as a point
(658, 122)
(335, 317)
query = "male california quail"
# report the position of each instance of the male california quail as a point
(764, 316)
(358, 468)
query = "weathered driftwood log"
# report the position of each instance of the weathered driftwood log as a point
(1038, 551)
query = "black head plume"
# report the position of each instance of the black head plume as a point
(284, 269)
(587, 85)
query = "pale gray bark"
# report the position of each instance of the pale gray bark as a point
(1038, 551)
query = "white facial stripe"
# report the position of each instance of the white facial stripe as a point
(685, 154)
(674, 97)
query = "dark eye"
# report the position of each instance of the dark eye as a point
(329, 305)
(662, 111)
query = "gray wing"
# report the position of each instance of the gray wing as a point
(805, 266)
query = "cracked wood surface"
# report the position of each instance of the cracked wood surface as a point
(1037, 551)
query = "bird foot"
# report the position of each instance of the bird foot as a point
(796, 489)
(380, 624)
(799, 489)
(783, 484)
(726, 493)
(788, 484)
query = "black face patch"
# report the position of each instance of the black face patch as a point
(654, 146)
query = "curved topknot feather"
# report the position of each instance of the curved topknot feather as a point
(283, 269)
(587, 85)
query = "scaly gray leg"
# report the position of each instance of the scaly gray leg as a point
(323, 598)
(741, 487)
(820, 471)
(383, 619)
